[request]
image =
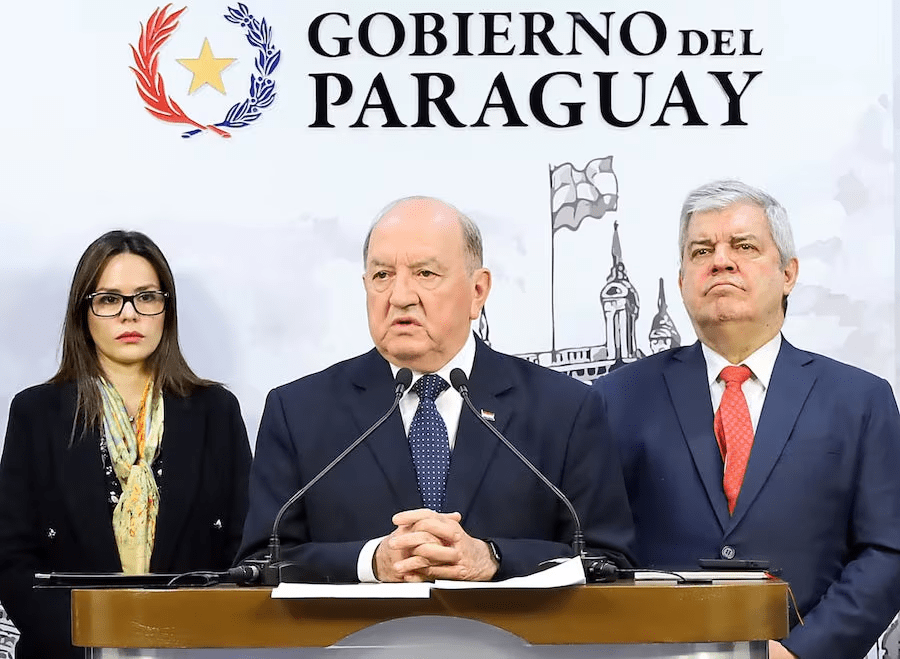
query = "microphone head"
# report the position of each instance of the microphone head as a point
(458, 379)
(403, 379)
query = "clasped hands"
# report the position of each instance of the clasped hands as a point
(427, 545)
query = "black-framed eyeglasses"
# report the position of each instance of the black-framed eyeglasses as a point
(146, 303)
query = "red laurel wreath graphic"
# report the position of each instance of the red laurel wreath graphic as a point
(150, 84)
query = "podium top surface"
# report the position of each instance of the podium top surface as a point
(231, 617)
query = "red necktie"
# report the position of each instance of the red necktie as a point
(734, 431)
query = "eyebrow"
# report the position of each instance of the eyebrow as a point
(432, 262)
(734, 239)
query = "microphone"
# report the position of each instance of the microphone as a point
(272, 571)
(597, 568)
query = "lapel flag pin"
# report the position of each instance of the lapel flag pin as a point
(489, 416)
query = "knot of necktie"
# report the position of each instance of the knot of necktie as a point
(430, 386)
(735, 374)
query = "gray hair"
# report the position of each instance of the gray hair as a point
(719, 195)
(472, 242)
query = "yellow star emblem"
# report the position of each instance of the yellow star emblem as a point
(207, 69)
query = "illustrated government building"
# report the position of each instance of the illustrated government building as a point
(621, 307)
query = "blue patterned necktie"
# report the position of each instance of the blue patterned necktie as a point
(428, 442)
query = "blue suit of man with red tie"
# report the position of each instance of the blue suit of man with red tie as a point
(818, 493)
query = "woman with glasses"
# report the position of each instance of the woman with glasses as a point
(125, 461)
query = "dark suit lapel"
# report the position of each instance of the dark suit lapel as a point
(184, 433)
(84, 487)
(689, 388)
(371, 396)
(788, 389)
(475, 446)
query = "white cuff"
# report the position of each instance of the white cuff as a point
(364, 571)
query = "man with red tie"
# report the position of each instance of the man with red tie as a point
(743, 446)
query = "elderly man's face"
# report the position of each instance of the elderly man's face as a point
(420, 297)
(731, 270)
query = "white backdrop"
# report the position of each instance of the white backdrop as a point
(264, 230)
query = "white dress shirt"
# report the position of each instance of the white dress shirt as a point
(449, 403)
(761, 363)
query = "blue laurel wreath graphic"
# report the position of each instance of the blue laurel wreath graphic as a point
(262, 87)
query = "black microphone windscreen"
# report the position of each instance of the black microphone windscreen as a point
(458, 378)
(403, 378)
(244, 574)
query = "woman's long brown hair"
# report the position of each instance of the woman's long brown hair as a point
(80, 363)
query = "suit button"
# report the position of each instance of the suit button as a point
(727, 552)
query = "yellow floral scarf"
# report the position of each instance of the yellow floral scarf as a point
(132, 451)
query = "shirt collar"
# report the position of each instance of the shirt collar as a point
(462, 360)
(761, 362)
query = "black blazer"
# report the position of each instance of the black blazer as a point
(55, 516)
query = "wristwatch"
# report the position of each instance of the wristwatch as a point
(495, 551)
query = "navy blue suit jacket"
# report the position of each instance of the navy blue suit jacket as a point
(552, 419)
(820, 499)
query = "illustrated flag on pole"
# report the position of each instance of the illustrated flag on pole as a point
(580, 193)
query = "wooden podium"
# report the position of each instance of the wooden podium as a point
(730, 619)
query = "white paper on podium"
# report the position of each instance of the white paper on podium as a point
(569, 572)
(352, 591)
(701, 575)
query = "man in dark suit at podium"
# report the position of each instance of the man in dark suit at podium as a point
(432, 494)
(742, 446)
